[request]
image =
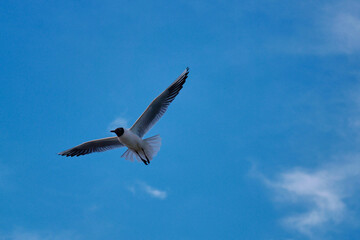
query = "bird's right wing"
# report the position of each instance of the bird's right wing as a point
(98, 145)
(158, 106)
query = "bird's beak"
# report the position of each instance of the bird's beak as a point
(112, 131)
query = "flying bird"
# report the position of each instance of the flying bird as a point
(132, 138)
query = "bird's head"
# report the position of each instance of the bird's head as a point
(118, 131)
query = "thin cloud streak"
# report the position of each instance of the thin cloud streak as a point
(21, 234)
(156, 193)
(118, 122)
(142, 187)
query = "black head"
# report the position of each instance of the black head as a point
(118, 131)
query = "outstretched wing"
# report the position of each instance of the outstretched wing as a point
(98, 145)
(158, 106)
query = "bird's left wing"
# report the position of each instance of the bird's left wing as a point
(158, 106)
(98, 145)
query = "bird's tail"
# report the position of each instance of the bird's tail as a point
(130, 155)
(152, 146)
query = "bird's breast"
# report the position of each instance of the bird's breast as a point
(130, 140)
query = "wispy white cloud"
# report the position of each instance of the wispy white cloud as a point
(118, 122)
(322, 193)
(341, 27)
(346, 32)
(324, 197)
(335, 30)
(21, 234)
(156, 193)
(142, 187)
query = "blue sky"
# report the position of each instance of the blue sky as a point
(261, 143)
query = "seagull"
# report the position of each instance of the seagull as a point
(132, 138)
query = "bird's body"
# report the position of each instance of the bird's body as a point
(145, 149)
(138, 148)
(131, 140)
